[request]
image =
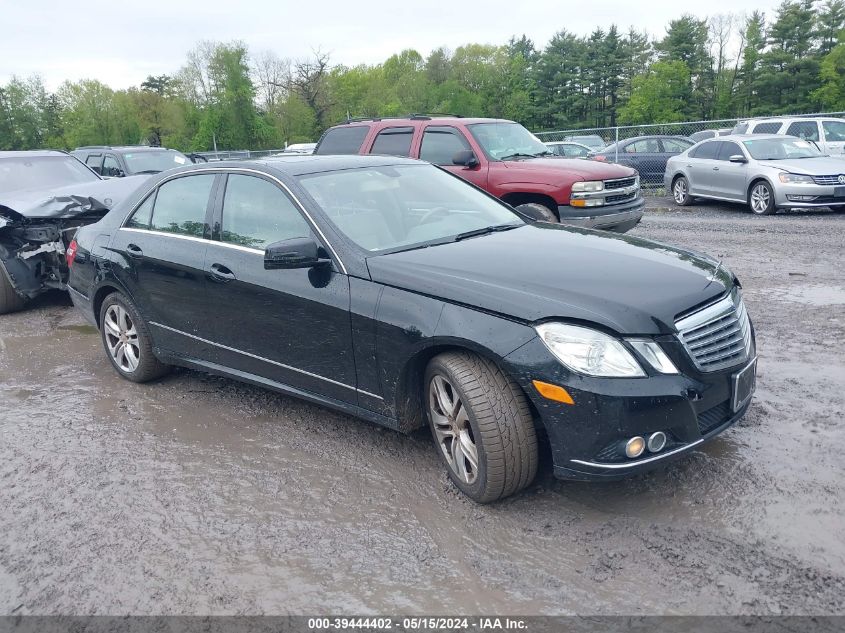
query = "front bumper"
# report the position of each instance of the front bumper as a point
(587, 438)
(791, 195)
(618, 217)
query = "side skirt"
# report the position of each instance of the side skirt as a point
(260, 381)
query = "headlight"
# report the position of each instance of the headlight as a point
(587, 186)
(589, 351)
(654, 354)
(794, 179)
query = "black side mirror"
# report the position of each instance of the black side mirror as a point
(465, 157)
(738, 158)
(299, 252)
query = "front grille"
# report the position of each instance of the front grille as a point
(620, 183)
(620, 198)
(827, 180)
(714, 417)
(718, 336)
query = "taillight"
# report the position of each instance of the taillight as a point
(600, 157)
(70, 253)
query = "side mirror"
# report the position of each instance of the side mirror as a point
(465, 157)
(299, 252)
(738, 158)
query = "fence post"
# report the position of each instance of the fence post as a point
(616, 146)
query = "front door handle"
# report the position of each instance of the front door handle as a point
(133, 250)
(221, 274)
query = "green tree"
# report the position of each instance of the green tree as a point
(659, 95)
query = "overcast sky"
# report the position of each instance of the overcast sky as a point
(120, 43)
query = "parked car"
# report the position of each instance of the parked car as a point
(44, 197)
(646, 154)
(764, 172)
(704, 134)
(299, 148)
(391, 290)
(826, 132)
(504, 159)
(129, 160)
(593, 141)
(569, 149)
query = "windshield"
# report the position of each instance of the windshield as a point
(594, 142)
(780, 148)
(42, 172)
(507, 140)
(390, 207)
(155, 161)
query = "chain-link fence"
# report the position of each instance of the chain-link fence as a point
(646, 148)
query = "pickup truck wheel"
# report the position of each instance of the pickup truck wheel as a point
(538, 211)
(10, 301)
(127, 340)
(482, 426)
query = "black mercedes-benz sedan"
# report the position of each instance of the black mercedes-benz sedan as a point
(396, 292)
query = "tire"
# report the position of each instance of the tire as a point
(680, 191)
(127, 342)
(538, 211)
(761, 198)
(10, 300)
(490, 416)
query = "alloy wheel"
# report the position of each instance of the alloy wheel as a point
(122, 338)
(680, 190)
(760, 198)
(452, 429)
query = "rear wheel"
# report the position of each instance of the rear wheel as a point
(10, 301)
(127, 340)
(680, 191)
(482, 426)
(761, 198)
(538, 211)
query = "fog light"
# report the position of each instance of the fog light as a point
(656, 442)
(635, 447)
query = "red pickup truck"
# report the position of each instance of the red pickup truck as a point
(505, 159)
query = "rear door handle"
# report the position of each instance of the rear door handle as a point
(133, 250)
(221, 274)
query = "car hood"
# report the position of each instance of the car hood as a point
(66, 202)
(585, 169)
(820, 166)
(546, 271)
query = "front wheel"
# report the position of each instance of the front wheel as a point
(10, 301)
(127, 340)
(482, 426)
(761, 198)
(680, 191)
(538, 211)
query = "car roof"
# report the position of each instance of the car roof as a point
(33, 153)
(565, 143)
(124, 148)
(745, 137)
(300, 164)
(433, 120)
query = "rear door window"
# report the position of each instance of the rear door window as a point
(393, 141)
(343, 140)
(644, 146)
(767, 128)
(675, 146)
(440, 144)
(706, 150)
(181, 204)
(807, 130)
(95, 162)
(257, 213)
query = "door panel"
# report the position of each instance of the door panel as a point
(700, 167)
(731, 177)
(440, 143)
(291, 326)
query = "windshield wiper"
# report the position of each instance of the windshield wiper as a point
(147, 171)
(522, 155)
(487, 229)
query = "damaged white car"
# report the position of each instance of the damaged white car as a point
(45, 196)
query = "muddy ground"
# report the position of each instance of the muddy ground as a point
(202, 495)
